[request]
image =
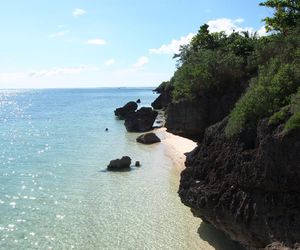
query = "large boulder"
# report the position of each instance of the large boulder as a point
(119, 164)
(247, 186)
(126, 110)
(141, 120)
(148, 138)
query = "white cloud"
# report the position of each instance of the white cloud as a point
(110, 62)
(61, 71)
(227, 25)
(97, 41)
(173, 46)
(222, 24)
(7, 77)
(11, 76)
(78, 12)
(143, 60)
(262, 31)
(59, 34)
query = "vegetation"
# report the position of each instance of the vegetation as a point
(286, 16)
(280, 116)
(271, 90)
(214, 64)
(293, 122)
(278, 78)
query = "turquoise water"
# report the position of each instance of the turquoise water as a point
(53, 194)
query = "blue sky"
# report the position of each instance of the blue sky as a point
(97, 43)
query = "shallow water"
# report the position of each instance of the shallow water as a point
(53, 194)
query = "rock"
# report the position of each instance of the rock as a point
(141, 120)
(126, 110)
(148, 138)
(138, 101)
(137, 164)
(165, 97)
(190, 118)
(119, 164)
(280, 246)
(247, 186)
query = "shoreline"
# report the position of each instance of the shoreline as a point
(175, 146)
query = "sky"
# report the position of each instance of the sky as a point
(107, 43)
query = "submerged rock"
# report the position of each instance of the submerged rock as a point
(138, 101)
(247, 186)
(119, 164)
(148, 138)
(141, 120)
(123, 112)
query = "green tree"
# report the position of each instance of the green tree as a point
(286, 16)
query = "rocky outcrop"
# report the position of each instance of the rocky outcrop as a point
(191, 118)
(247, 186)
(123, 112)
(165, 97)
(281, 246)
(141, 120)
(148, 138)
(119, 164)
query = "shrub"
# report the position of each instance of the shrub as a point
(280, 115)
(293, 122)
(271, 90)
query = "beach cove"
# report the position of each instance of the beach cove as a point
(54, 193)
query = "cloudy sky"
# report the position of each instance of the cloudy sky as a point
(107, 43)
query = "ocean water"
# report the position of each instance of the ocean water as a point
(54, 194)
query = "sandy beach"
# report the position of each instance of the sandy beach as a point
(175, 146)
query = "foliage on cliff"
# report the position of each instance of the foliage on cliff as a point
(286, 16)
(214, 63)
(277, 81)
(266, 69)
(293, 122)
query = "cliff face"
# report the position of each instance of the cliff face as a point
(248, 188)
(165, 97)
(191, 118)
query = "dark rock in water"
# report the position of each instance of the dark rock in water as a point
(191, 118)
(126, 110)
(148, 138)
(119, 164)
(138, 101)
(137, 164)
(247, 186)
(141, 120)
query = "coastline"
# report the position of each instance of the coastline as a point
(175, 146)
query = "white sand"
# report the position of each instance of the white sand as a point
(175, 146)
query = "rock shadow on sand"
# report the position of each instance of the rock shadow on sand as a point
(217, 238)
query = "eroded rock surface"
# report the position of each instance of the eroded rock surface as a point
(247, 186)
(141, 120)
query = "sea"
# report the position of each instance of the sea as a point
(56, 194)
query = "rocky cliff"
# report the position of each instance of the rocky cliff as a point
(190, 118)
(165, 96)
(247, 186)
